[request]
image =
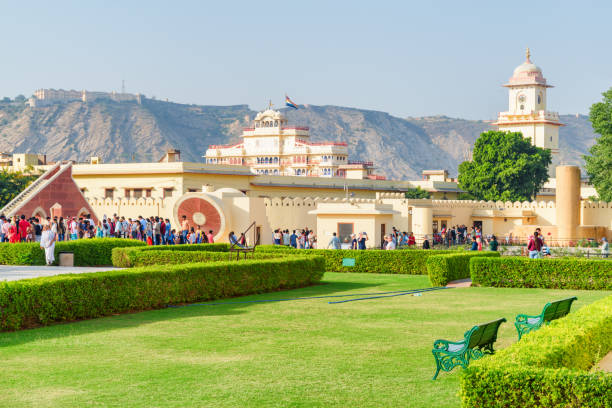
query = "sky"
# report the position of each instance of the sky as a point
(406, 58)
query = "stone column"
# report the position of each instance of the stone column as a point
(568, 202)
(422, 219)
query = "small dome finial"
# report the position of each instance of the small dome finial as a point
(528, 55)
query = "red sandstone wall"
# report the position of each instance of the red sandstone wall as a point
(62, 190)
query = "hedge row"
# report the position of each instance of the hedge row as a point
(128, 257)
(513, 272)
(548, 367)
(87, 252)
(41, 301)
(445, 268)
(121, 257)
(409, 261)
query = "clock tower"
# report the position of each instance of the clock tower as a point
(527, 108)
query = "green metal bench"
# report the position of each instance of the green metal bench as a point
(477, 342)
(552, 311)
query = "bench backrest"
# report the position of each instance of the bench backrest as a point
(558, 309)
(484, 333)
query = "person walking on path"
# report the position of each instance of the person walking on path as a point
(47, 243)
(334, 242)
(605, 247)
(534, 246)
(23, 228)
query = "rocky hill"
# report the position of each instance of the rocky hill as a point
(127, 131)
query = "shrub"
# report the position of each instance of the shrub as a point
(41, 301)
(87, 252)
(542, 273)
(445, 268)
(121, 256)
(548, 367)
(127, 257)
(409, 261)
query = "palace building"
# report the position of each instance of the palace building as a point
(527, 107)
(273, 147)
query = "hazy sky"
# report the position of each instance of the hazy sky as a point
(406, 58)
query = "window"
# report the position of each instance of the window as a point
(127, 192)
(109, 192)
(345, 230)
(191, 190)
(137, 192)
(148, 192)
(168, 192)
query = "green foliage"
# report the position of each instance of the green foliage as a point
(87, 252)
(514, 272)
(549, 367)
(505, 167)
(599, 163)
(417, 193)
(13, 183)
(122, 257)
(409, 261)
(41, 301)
(445, 268)
(131, 257)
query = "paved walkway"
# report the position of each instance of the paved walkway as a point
(13, 272)
(460, 283)
(606, 363)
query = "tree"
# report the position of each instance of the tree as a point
(417, 193)
(13, 183)
(504, 167)
(599, 163)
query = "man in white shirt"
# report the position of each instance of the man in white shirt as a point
(390, 243)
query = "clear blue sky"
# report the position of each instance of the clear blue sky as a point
(406, 58)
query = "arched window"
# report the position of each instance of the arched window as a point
(275, 123)
(276, 160)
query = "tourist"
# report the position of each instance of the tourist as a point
(277, 237)
(334, 242)
(411, 239)
(605, 247)
(156, 225)
(390, 243)
(192, 237)
(47, 243)
(184, 229)
(354, 242)
(363, 237)
(293, 239)
(6, 226)
(534, 246)
(210, 237)
(311, 239)
(233, 240)
(425, 242)
(479, 243)
(176, 239)
(23, 226)
(493, 244)
(242, 240)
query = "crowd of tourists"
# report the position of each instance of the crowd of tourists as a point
(299, 239)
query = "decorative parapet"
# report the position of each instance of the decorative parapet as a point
(493, 205)
(133, 202)
(596, 204)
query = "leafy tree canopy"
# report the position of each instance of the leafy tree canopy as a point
(599, 163)
(504, 167)
(13, 183)
(417, 193)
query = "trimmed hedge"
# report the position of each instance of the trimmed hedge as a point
(41, 301)
(87, 252)
(121, 257)
(549, 367)
(128, 258)
(514, 272)
(445, 268)
(408, 261)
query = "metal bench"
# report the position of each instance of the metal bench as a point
(477, 342)
(552, 311)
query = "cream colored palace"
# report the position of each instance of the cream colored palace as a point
(276, 178)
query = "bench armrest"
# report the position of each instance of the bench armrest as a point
(523, 318)
(449, 346)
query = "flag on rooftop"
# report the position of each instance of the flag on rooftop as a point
(290, 103)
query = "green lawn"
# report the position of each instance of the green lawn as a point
(306, 353)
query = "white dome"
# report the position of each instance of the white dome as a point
(527, 66)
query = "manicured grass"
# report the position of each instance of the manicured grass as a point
(304, 353)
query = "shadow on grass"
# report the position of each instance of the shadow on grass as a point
(129, 320)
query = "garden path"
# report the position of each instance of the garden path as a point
(18, 272)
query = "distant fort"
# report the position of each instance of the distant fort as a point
(45, 97)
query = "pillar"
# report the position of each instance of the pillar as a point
(422, 219)
(568, 202)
